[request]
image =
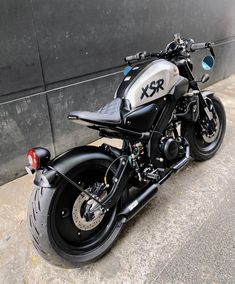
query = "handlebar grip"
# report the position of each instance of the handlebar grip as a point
(196, 46)
(132, 57)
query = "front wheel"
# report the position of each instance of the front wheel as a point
(204, 144)
(60, 232)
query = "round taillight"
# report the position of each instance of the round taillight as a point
(34, 160)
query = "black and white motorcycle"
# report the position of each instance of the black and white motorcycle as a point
(83, 197)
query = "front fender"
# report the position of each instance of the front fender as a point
(207, 93)
(66, 162)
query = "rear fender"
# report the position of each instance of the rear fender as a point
(67, 161)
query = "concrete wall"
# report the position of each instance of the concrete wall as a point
(63, 55)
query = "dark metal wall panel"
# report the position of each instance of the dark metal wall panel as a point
(77, 40)
(80, 37)
(208, 20)
(228, 59)
(87, 96)
(19, 59)
(23, 124)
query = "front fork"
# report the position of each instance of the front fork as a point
(208, 112)
(202, 102)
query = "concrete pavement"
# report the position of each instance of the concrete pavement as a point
(185, 234)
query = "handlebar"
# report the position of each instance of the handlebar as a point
(138, 56)
(196, 46)
(179, 47)
(132, 57)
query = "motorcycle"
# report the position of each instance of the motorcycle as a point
(83, 197)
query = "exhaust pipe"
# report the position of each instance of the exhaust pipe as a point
(135, 206)
(132, 208)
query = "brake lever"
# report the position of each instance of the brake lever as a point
(211, 49)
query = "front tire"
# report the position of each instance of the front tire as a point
(202, 147)
(53, 231)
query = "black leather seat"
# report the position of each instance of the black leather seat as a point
(107, 115)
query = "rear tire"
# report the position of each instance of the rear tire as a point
(200, 148)
(53, 231)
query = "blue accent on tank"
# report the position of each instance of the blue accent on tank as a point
(127, 69)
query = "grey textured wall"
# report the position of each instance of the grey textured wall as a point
(63, 55)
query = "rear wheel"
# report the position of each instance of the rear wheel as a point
(205, 144)
(59, 229)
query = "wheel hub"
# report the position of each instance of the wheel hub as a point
(79, 218)
(210, 138)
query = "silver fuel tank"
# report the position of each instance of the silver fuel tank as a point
(148, 82)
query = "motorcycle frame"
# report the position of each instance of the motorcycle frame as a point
(124, 169)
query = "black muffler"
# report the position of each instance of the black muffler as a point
(146, 194)
(132, 208)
